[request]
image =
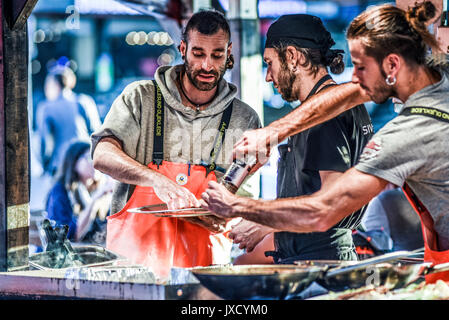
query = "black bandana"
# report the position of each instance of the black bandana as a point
(304, 31)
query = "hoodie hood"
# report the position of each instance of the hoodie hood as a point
(166, 76)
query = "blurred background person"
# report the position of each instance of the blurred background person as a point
(389, 224)
(87, 106)
(59, 121)
(80, 196)
(391, 212)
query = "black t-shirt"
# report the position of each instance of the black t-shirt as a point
(334, 145)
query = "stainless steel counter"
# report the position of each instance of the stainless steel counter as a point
(96, 273)
(67, 284)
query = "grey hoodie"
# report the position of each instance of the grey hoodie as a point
(188, 134)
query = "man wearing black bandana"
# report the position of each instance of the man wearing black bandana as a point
(298, 53)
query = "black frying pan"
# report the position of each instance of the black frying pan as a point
(343, 275)
(391, 276)
(284, 281)
(242, 282)
(383, 270)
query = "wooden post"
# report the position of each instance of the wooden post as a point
(14, 139)
(3, 226)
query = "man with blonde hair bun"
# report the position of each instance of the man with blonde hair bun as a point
(390, 59)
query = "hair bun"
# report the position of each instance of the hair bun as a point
(334, 59)
(337, 64)
(422, 12)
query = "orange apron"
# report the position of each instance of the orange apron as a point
(159, 242)
(431, 253)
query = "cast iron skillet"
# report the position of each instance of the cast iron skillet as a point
(390, 275)
(271, 282)
(384, 270)
(286, 281)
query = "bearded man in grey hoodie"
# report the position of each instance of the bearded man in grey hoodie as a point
(163, 140)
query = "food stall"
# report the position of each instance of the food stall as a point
(92, 272)
(62, 271)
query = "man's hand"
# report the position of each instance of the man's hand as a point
(219, 200)
(110, 159)
(248, 234)
(175, 196)
(257, 143)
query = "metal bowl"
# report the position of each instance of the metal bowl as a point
(91, 256)
(257, 281)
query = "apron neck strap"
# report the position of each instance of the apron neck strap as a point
(158, 139)
(313, 91)
(317, 85)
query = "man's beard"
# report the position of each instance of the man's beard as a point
(203, 86)
(285, 83)
(382, 91)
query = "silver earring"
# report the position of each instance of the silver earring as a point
(390, 80)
